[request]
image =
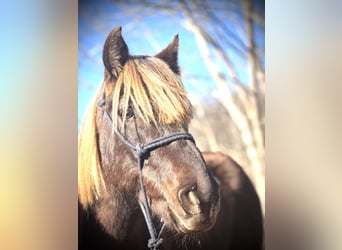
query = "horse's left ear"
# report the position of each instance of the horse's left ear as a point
(115, 53)
(170, 55)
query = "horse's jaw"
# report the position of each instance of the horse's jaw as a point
(116, 215)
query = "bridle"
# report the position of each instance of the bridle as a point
(143, 151)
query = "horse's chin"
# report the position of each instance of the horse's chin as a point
(200, 222)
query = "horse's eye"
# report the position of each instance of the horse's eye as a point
(129, 113)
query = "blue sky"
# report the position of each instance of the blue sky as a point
(145, 34)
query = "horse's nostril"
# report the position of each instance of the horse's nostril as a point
(185, 191)
(189, 199)
(193, 198)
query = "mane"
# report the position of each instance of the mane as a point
(154, 92)
(90, 179)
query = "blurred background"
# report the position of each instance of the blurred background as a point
(222, 61)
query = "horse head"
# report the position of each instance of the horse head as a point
(145, 99)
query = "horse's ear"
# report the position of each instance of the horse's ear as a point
(170, 55)
(115, 53)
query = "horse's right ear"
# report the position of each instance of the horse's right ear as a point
(115, 53)
(170, 55)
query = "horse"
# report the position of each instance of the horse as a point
(142, 181)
